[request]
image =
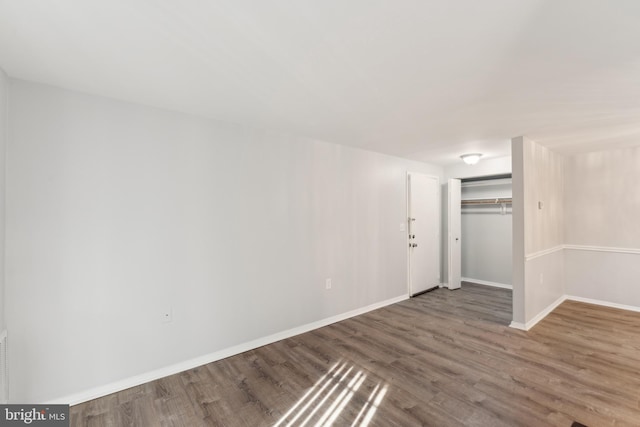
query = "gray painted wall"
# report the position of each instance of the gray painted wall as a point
(517, 246)
(117, 212)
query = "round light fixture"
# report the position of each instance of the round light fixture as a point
(471, 159)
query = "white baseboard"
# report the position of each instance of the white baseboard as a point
(487, 283)
(126, 383)
(544, 313)
(604, 303)
(518, 325)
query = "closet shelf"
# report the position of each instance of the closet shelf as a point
(496, 201)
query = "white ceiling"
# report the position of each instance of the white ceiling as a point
(422, 79)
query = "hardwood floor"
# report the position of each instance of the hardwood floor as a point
(446, 358)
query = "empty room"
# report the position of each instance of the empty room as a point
(306, 213)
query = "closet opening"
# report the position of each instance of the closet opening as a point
(486, 230)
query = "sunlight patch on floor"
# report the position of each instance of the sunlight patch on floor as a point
(327, 400)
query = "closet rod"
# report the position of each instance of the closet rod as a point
(497, 201)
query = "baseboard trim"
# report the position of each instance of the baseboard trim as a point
(487, 283)
(518, 325)
(604, 303)
(126, 383)
(544, 313)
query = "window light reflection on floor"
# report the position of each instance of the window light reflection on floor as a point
(376, 402)
(330, 395)
(325, 398)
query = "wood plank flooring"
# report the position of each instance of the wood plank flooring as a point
(446, 358)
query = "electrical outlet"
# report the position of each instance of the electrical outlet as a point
(167, 315)
(327, 283)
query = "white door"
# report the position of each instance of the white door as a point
(454, 244)
(424, 232)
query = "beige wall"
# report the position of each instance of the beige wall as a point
(602, 207)
(543, 178)
(603, 198)
(585, 241)
(538, 270)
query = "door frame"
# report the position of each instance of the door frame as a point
(454, 245)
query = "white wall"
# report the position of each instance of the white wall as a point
(602, 225)
(116, 212)
(538, 281)
(4, 97)
(486, 234)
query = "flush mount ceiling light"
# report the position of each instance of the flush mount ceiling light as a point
(471, 159)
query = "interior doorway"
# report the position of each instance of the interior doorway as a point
(487, 230)
(478, 247)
